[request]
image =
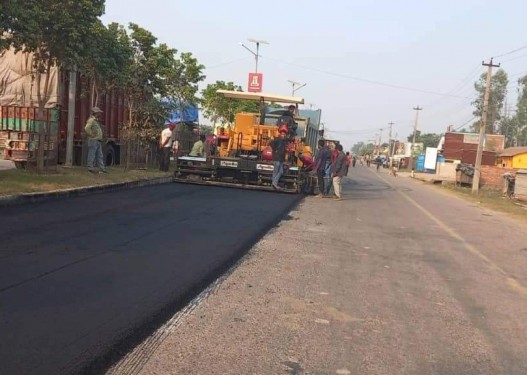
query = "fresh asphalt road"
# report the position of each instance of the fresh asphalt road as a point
(82, 277)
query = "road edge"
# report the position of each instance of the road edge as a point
(26, 198)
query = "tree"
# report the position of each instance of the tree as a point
(520, 130)
(427, 139)
(218, 108)
(105, 58)
(54, 31)
(361, 148)
(498, 92)
(153, 74)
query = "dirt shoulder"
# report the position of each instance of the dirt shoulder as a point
(16, 181)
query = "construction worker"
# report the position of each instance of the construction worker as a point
(322, 159)
(279, 147)
(165, 144)
(338, 169)
(197, 148)
(94, 132)
(288, 119)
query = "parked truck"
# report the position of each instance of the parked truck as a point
(23, 122)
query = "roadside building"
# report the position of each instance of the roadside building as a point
(462, 147)
(513, 157)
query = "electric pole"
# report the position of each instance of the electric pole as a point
(416, 109)
(482, 126)
(390, 154)
(380, 141)
(412, 149)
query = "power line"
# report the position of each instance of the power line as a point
(510, 52)
(515, 58)
(340, 75)
(226, 63)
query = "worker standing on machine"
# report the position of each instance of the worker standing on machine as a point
(279, 146)
(288, 119)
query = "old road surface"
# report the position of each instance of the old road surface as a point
(398, 278)
(81, 279)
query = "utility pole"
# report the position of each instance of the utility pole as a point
(380, 141)
(482, 126)
(71, 117)
(390, 154)
(412, 149)
(416, 109)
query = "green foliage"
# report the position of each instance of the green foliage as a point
(152, 73)
(106, 57)
(515, 128)
(217, 108)
(361, 148)
(206, 129)
(498, 92)
(56, 30)
(427, 139)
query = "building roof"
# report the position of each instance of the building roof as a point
(261, 96)
(512, 151)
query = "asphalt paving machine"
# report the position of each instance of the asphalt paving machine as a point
(242, 156)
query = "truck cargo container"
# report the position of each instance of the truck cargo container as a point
(21, 120)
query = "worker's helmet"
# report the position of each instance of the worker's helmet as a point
(283, 129)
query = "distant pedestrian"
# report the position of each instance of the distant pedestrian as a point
(354, 161)
(348, 162)
(321, 162)
(165, 145)
(94, 132)
(338, 170)
(279, 147)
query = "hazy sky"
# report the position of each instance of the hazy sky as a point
(349, 53)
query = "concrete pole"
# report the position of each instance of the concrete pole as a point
(71, 117)
(482, 126)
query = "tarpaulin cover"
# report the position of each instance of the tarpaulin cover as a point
(18, 86)
(189, 113)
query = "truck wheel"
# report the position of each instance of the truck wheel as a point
(20, 164)
(109, 156)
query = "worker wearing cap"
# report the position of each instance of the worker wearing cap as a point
(165, 145)
(279, 146)
(288, 119)
(94, 132)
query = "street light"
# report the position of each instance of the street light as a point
(293, 83)
(257, 53)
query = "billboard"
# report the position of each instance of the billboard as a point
(431, 158)
(255, 82)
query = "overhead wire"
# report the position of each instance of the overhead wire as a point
(341, 75)
(510, 52)
(226, 63)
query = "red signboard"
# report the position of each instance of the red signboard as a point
(255, 82)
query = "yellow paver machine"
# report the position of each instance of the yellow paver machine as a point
(242, 156)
